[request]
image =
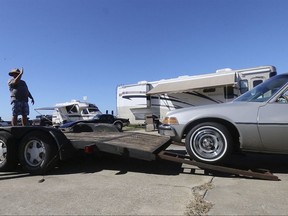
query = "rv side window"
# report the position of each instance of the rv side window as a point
(208, 90)
(257, 82)
(228, 92)
(148, 98)
(243, 86)
(71, 109)
(272, 74)
(85, 111)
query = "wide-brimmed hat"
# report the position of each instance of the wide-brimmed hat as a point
(14, 71)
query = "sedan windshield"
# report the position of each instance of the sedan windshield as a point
(264, 91)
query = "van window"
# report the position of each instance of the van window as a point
(71, 109)
(257, 82)
(243, 86)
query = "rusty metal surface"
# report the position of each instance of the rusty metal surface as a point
(135, 145)
(179, 158)
(140, 141)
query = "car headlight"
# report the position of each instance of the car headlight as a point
(170, 121)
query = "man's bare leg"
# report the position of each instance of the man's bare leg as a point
(24, 120)
(14, 120)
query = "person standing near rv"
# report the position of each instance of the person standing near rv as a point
(20, 94)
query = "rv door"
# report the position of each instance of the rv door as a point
(246, 85)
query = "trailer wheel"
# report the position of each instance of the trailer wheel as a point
(38, 153)
(8, 154)
(209, 143)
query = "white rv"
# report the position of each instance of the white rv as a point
(136, 101)
(71, 111)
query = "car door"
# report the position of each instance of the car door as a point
(273, 126)
(106, 118)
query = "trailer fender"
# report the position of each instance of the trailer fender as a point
(64, 146)
(40, 150)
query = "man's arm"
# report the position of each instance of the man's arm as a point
(31, 97)
(16, 79)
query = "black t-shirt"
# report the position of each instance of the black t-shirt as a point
(19, 91)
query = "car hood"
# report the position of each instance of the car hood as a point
(232, 111)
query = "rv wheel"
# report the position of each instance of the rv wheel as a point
(8, 156)
(38, 152)
(209, 143)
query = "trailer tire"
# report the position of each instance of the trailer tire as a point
(209, 142)
(8, 152)
(38, 153)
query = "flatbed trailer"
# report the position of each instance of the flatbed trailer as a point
(129, 144)
(38, 149)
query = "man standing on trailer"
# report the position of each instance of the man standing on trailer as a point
(19, 96)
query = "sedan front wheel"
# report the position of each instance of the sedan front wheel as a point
(209, 143)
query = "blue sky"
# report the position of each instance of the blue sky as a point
(75, 48)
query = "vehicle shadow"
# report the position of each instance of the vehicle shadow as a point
(255, 162)
(104, 161)
(83, 163)
(18, 173)
(272, 162)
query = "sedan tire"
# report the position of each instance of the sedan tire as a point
(209, 143)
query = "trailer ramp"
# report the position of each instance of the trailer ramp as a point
(149, 147)
(183, 159)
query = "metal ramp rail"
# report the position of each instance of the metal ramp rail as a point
(149, 147)
(183, 159)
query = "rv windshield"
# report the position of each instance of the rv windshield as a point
(264, 91)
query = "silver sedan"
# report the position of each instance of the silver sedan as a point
(256, 121)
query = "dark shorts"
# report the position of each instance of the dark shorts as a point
(20, 108)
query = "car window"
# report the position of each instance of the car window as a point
(104, 117)
(101, 117)
(264, 91)
(283, 97)
(97, 117)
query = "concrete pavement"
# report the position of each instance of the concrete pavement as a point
(106, 186)
(112, 185)
(242, 196)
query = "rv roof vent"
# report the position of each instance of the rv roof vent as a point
(73, 100)
(224, 70)
(142, 82)
(183, 77)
